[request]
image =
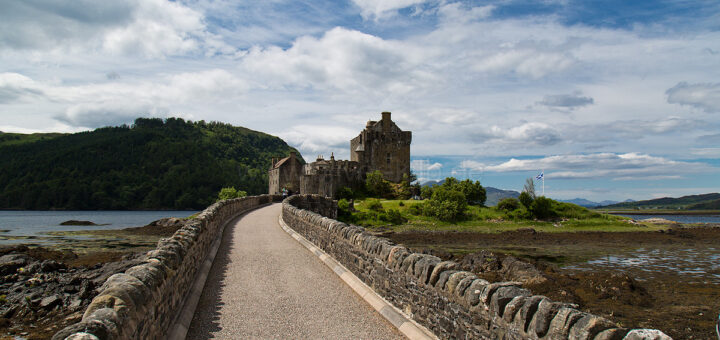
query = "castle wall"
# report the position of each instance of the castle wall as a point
(286, 175)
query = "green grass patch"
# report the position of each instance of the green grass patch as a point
(489, 220)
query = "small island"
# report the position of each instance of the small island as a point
(77, 222)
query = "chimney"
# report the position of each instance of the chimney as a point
(386, 121)
(292, 154)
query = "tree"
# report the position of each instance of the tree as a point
(525, 199)
(426, 191)
(530, 187)
(541, 208)
(376, 185)
(227, 193)
(446, 204)
(473, 191)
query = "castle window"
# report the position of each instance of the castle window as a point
(388, 158)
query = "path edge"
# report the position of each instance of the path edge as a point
(406, 325)
(184, 318)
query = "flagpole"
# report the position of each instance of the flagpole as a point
(543, 178)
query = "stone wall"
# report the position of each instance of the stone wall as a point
(143, 302)
(449, 302)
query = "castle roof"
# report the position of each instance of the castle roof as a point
(281, 162)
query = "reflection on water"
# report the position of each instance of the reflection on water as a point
(690, 264)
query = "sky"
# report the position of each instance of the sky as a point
(612, 100)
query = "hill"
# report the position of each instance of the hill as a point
(153, 164)
(495, 195)
(691, 202)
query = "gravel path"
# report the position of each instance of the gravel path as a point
(264, 284)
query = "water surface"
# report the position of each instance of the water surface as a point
(20, 226)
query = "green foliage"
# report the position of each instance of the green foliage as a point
(377, 186)
(542, 208)
(374, 204)
(508, 204)
(230, 193)
(446, 204)
(345, 193)
(426, 191)
(153, 164)
(393, 216)
(526, 199)
(415, 209)
(401, 204)
(473, 191)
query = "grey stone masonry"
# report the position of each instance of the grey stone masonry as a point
(451, 303)
(144, 301)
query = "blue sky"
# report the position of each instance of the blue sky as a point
(612, 99)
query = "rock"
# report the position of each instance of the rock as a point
(589, 326)
(50, 302)
(77, 222)
(9, 264)
(51, 266)
(646, 334)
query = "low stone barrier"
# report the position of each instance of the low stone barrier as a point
(451, 303)
(143, 302)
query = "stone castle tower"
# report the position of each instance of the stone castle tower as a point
(380, 146)
(383, 146)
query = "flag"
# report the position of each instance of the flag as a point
(540, 176)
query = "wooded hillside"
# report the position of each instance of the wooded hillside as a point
(153, 164)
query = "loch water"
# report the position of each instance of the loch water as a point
(678, 218)
(18, 226)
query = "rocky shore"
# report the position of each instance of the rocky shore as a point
(44, 290)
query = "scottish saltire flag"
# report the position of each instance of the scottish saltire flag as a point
(540, 176)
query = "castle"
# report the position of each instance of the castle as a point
(381, 146)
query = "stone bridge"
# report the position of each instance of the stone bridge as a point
(256, 268)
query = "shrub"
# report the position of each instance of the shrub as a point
(230, 193)
(415, 209)
(374, 205)
(446, 205)
(508, 204)
(402, 204)
(345, 193)
(526, 199)
(541, 208)
(393, 216)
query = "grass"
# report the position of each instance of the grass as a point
(490, 220)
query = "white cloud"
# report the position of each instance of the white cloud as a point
(526, 134)
(147, 28)
(314, 140)
(16, 87)
(705, 96)
(627, 166)
(382, 8)
(342, 60)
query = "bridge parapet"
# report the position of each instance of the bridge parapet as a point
(450, 302)
(144, 302)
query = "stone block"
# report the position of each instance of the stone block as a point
(563, 321)
(546, 311)
(612, 334)
(439, 268)
(524, 315)
(513, 307)
(472, 293)
(424, 266)
(443, 278)
(502, 296)
(646, 334)
(455, 279)
(589, 326)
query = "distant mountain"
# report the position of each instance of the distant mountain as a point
(590, 204)
(494, 195)
(691, 202)
(153, 164)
